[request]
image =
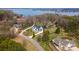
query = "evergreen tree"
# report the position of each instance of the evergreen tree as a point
(33, 35)
(57, 30)
(45, 37)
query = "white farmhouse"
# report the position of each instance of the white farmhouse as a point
(37, 28)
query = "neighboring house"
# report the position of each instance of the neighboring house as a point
(17, 28)
(17, 25)
(37, 28)
(64, 44)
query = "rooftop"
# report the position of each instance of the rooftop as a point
(64, 43)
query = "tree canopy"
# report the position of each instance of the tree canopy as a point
(9, 45)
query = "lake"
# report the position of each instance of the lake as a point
(38, 11)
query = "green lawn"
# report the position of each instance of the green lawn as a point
(25, 43)
(28, 32)
(45, 46)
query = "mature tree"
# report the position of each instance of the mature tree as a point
(33, 35)
(9, 45)
(73, 28)
(7, 20)
(57, 30)
(39, 38)
(45, 37)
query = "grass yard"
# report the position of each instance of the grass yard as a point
(26, 44)
(29, 32)
(45, 46)
(52, 29)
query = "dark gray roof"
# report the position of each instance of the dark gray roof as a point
(38, 26)
(63, 42)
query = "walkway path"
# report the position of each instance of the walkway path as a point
(36, 44)
(26, 29)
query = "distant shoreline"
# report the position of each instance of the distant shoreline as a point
(39, 11)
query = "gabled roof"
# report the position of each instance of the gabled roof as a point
(37, 27)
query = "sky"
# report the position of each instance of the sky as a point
(27, 12)
(36, 11)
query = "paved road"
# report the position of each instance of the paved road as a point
(34, 42)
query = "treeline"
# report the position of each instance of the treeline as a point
(7, 20)
(7, 44)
